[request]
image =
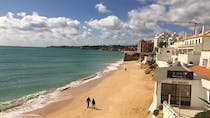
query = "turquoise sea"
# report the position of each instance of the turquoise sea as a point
(27, 70)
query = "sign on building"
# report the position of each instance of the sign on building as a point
(180, 74)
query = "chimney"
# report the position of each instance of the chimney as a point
(185, 35)
(203, 30)
(196, 29)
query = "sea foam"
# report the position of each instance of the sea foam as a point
(14, 108)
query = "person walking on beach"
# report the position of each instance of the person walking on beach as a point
(93, 103)
(88, 102)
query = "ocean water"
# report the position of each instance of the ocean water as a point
(26, 71)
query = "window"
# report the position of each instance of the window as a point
(192, 41)
(199, 40)
(205, 61)
(174, 91)
(196, 41)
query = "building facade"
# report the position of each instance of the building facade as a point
(205, 59)
(179, 87)
(203, 70)
(165, 39)
(194, 44)
(188, 48)
(145, 46)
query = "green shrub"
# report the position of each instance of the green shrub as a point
(156, 112)
(160, 107)
(147, 71)
(153, 66)
(144, 66)
(203, 114)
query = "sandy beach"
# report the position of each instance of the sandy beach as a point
(120, 94)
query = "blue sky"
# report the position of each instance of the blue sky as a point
(94, 22)
(76, 9)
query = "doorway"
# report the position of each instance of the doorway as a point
(177, 91)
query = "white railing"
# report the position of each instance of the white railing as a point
(168, 111)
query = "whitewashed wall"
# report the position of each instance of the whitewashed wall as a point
(183, 58)
(206, 43)
(187, 58)
(205, 55)
(197, 91)
(162, 63)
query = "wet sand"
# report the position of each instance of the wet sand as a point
(121, 94)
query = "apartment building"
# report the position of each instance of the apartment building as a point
(145, 46)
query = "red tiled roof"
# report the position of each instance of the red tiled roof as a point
(199, 70)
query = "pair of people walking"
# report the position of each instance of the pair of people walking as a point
(88, 103)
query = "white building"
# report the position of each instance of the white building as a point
(189, 48)
(163, 43)
(177, 87)
(203, 70)
(163, 56)
(189, 59)
(167, 39)
(194, 44)
(180, 88)
(205, 59)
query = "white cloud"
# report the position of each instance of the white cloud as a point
(190, 10)
(108, 23)
(101, 8)
(114, 31)
(36, 30)
(144, 1)
(142, 23)
(141, 0)
(145, 20)
(21, 14)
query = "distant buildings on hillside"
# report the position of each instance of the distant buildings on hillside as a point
(165, 39)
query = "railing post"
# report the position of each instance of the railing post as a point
(179, 101)
(169, 99)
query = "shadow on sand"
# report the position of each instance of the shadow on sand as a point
(95, 108)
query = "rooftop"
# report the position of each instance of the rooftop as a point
(206, 34)
(200, 71)
(163, 71)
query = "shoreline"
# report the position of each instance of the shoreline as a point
(59, 94)
(119, 94)
(66, 95)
